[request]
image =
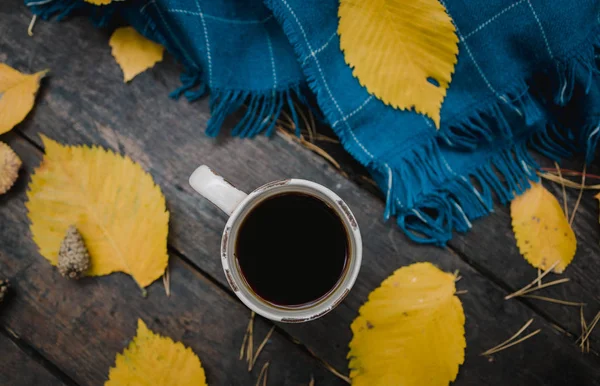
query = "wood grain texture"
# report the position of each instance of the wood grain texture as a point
(81, 325)
(84, 102)
(18, 368)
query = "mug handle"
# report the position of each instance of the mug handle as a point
(218, 191)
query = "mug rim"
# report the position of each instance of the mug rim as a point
(242, 289)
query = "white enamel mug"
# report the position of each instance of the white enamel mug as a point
(238, 205)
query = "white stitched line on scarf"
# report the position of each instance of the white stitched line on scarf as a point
(482, 26)
(232, 21)
(324, 80)
(207, 43)
(145, 5)
(485, 79)
(539, 23)
(146, 27)
(181, 48)
(272, 59)
(321, 48)
(353, 112)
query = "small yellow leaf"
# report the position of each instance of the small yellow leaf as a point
(398, 48)
(542, 230)
(10, 164)
(134, 53)
(152, 360)
(111, 200)
(99, 2)
(410, 332)
(17, 95)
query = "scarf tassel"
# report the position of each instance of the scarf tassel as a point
(262, 110)
(431, 217)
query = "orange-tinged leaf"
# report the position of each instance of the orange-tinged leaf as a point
(399, 49)
(17, 95)
(410, 332)
(100, 2)
(152, 360)
(134, 53)
(115, 205)
(542, 230)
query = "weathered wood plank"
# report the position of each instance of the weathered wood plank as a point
(81, 326)
(490, 246)
(17, 368)
(125, 117)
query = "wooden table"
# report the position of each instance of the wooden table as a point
(54, 331)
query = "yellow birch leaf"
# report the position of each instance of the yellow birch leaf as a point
(410, 332)
(133, 52)
(17, 95)
(153, 360)
(99, 2)
(398, 48)
(10, 163)
(542, 230)
(115, 205)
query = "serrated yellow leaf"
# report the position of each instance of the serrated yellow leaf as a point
(133, 52)
(17, 95)
(542, 230)
(410, 332)
(397, 47)
(153, 360)
(112, 201)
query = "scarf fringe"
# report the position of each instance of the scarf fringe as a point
(431, 218)
(262, 111)
(263, 108)
(60, 9)
(426, 217)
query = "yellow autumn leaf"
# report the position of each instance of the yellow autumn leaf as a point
(397, 49)
(410, 332)
(542, 230)
(17, 95)
(115, 205)
(99, 2)
(134, 53)
(152, 360)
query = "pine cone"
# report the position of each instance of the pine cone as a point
(9, 167)
(4, 286)
(73, 257)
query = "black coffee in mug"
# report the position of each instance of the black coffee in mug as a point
(292, 249)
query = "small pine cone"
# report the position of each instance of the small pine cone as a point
(4, 286)
(9, 167)
(73, 257)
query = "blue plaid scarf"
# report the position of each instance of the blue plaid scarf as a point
(526, 79)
